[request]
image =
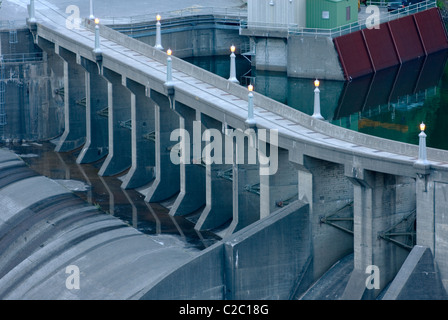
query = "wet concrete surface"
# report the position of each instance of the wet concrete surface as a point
(106, 194)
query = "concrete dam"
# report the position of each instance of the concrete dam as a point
(315, 210)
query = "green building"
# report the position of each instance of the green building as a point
(328, 14)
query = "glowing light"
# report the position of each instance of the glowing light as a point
(232, 48)
(251, 88)
(422, 127)
(316, 83)
(158, 17)
(97, 21)
(169, 52)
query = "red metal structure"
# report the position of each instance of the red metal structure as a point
(401, 40)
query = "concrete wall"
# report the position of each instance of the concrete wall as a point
(192, 36)
(330, 194)
(34, 110)
(266, 260)
(313, 57)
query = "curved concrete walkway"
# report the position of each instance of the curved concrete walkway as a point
(45, 230)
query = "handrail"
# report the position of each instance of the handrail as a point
(344, 29)
(12, 24)
(192, 11)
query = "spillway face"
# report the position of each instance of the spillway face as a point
(53, 245)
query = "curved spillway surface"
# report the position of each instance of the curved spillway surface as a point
(53, 245)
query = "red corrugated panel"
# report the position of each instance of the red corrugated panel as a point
(381, 47)
(353, 55)
(406, 36)
(432, 30)
(398, 41)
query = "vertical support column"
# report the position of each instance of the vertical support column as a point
(143, 147)
(52, 123)
(119, 113)
(246, 178)
(97, 142)
(74, 91)
(192, 176)
(167, 179)
(218, 181)
(432, 220)
(380, 201)
(279, 189)
(425, 206)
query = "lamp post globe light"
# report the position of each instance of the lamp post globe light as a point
(169, 70)
(250, 121)
(97, 36)
(316, 113)
(158, 44)
(422, 156)
(232, 77)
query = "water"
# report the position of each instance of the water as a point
(389, 104)
(106, 194)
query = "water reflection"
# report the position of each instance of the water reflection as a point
(389, 104)
(106, 194)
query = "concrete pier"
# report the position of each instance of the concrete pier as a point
(245, 178)
(329, 193)
(379, 203)
(119, 158)
(74, 91)
(279, 189)
(167, 180)
(142, 137)
(218, 185)
(97, 133)
(192, 175)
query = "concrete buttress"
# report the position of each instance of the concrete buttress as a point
(119, 112)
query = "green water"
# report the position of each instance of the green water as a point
(389, 104)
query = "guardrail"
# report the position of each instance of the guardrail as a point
(12, 24)
(22, 57)
(345, 29)
(234, 12)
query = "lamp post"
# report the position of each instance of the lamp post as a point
(422, 157)
(158, 33)
(316, 113)
(250, 121)
(91, 17)
(169, 70)
(97, 36)
(32, 13)
(232, 77)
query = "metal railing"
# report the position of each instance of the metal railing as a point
(12, 24)
(345, 29)
(239, 13)
(22, 57)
